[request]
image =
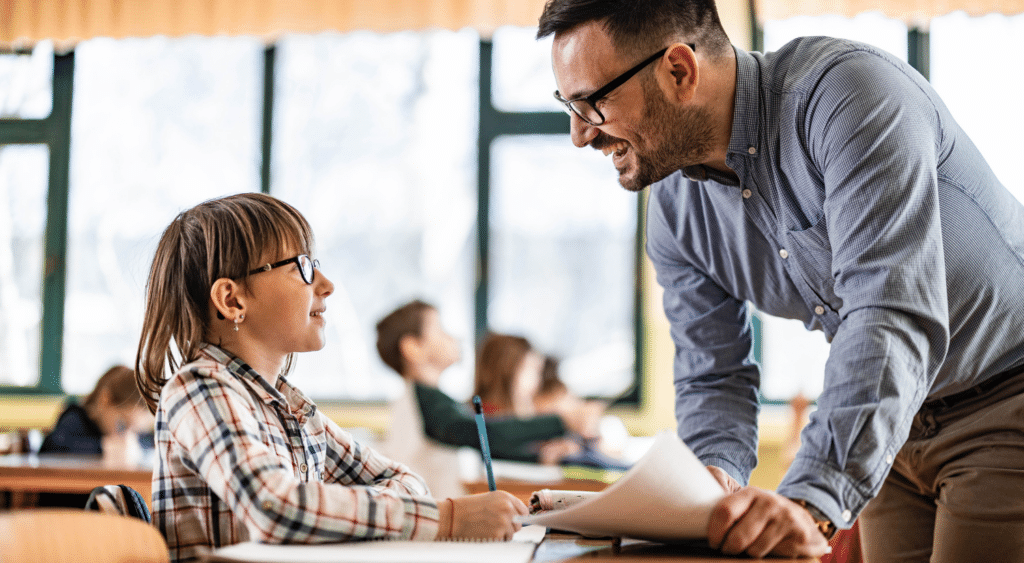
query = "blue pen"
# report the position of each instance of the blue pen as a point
(485, 448)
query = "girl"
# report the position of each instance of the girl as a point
(508, 375)
(242, 454)
(509, 379)
(112, 421)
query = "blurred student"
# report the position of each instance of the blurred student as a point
(554, 395)
(412, 341)
(112, 421)
(242, 454)
(509, 373)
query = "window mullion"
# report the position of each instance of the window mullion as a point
(55, 264)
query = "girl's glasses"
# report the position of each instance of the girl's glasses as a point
(306, 267)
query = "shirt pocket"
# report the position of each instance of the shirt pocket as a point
(812, 251)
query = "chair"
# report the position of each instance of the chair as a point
(121, 500)
(59, 534)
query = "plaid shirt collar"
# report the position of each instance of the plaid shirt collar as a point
(285, 396)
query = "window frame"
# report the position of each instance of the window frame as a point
(54, 131)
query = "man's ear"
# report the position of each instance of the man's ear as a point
(226, 298)
(680, 82)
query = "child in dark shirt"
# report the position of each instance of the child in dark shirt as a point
(112, 421)
(412, 341)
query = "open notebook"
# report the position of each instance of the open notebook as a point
(519, 550)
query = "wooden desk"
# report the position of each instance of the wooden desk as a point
(60, 473)
(572, 548)
(524, 489)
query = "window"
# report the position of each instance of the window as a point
(869, 27)
(374, 144)
(26, 83)
(26, 100)
(376, 139)
(563, 243)
(142, 150)
(981, 85)
(562, 234)
(22, 225)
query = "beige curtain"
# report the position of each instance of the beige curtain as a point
(24, 22)
(915, 12)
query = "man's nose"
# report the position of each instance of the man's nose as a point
(580, 131)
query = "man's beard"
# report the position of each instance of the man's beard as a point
(674, 137)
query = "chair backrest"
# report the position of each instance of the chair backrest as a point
(118, 499)
(44, 535)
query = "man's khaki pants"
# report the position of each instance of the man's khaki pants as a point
(956, 490)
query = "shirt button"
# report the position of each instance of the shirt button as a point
(888, 459)
(752, 150)
(267, 505)
(303, 467)
(784, 253)
(747, 193)
(819, 310)
(847, 515)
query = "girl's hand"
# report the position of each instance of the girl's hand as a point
(482, 516)
(583, 417)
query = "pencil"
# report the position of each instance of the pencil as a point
(485, 448)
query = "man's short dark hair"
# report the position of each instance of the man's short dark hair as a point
(406, 320)
(641, 27)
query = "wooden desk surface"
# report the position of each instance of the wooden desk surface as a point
(63, 473)
(572, 548)
(524, 489)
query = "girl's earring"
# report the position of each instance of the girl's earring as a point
(238, 319)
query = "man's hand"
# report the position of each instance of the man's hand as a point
(724, 479)
(759, 522)
(485, 515)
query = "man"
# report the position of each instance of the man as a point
(826, 182)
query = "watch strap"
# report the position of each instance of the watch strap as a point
(825, 526)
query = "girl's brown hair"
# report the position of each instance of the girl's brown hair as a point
(119, 384)
(220, 238)
(499, 359)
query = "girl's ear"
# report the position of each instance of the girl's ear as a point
(225, 295)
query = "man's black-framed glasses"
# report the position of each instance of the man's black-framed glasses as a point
(586, 108)
(307, 267)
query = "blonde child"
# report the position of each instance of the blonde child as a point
(242, 454)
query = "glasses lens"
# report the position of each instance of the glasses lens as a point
(586, 112)
(306, 268)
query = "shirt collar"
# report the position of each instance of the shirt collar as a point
(746, 122)
(284, 394)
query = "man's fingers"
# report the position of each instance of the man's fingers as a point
(725, 515)
(760, 523)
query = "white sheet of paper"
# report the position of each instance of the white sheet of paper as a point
(667, 495)
(519, 550)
